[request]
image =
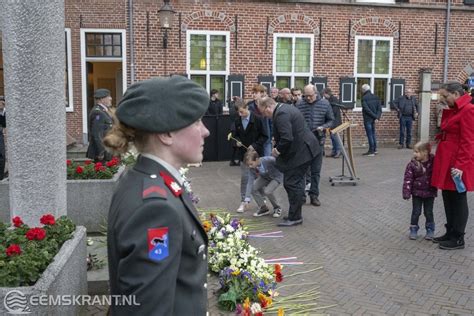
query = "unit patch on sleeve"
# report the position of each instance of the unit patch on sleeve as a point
(158, 243)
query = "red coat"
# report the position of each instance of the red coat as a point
(456, 146)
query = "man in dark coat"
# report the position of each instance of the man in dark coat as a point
(157, 247)
(215, 105)
(407, 109)
(336, 109)
(100, 121)
(371, 113)
(2, 140)
(295, 148)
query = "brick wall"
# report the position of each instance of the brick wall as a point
(412, 26)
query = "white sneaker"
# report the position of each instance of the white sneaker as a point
(276, 212)
(243, 207)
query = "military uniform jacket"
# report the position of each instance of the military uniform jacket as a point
(157, 248)
(100, 122)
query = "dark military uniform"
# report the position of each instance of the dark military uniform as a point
(157, 247)
(100, 122)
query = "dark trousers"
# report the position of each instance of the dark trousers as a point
(313, 175)
(427, 205)
(336, 147)
(406, 122)
(293, 182)
(370, 132)
(2, 155)
(456, 210)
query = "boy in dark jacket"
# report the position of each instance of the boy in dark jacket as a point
(417, 184)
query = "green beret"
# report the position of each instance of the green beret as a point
(161, 105)
(101, 93)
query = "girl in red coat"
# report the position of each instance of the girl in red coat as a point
(454, 157)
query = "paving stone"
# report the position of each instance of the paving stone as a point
(359, 235)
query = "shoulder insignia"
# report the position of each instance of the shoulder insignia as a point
(174, 187)
(153, 187)
(158, 243)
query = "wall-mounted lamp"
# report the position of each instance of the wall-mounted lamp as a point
(166, 15)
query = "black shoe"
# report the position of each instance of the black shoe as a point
(303, 200)
(233, 163)
(453, 243)
(409, 147)
(445, 237)
(337, 155)
(262, 211)
(288, 222)
(400, 146)
(315, 201)
(369, 154)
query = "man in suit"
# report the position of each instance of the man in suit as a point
(295, 148)
(100, 121)
(157, 247)
(2, 140)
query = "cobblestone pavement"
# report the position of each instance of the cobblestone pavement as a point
(359, 236)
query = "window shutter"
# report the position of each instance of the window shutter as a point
(347, 91)
(320, 83)
(267, 81)
(397, 89)
(235, 86)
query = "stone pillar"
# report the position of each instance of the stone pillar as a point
(424, 105)
(34, 63)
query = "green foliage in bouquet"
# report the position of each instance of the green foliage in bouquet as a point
(90, 170)
(26, 252)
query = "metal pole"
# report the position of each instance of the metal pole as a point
(130, 36)
(446, 41)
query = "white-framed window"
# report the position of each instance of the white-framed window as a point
(292, 59)
(68, 72)
(207, 61)
(373, 66)
(106, 49)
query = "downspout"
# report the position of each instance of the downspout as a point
(132, 49)
(446, 41)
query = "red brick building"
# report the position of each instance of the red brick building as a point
(231, 45)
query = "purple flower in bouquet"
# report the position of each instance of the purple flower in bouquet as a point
(235, 223)
(245, 274)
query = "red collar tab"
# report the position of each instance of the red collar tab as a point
(174, 187)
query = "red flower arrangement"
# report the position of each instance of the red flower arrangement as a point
(27, 252)
(278, 274)
(47, 219)
(90, 170)
(13, 249)
(17, 222)
(35, 234)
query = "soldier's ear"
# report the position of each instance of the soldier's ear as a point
(165, 138)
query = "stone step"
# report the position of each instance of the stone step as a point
(98, 279)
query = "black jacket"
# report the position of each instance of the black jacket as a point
(255, 134)
(334, 101)
(100, 122)
(371, 107)
(406, 106)
(143, 210)
(215, 107)
(293, 139)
